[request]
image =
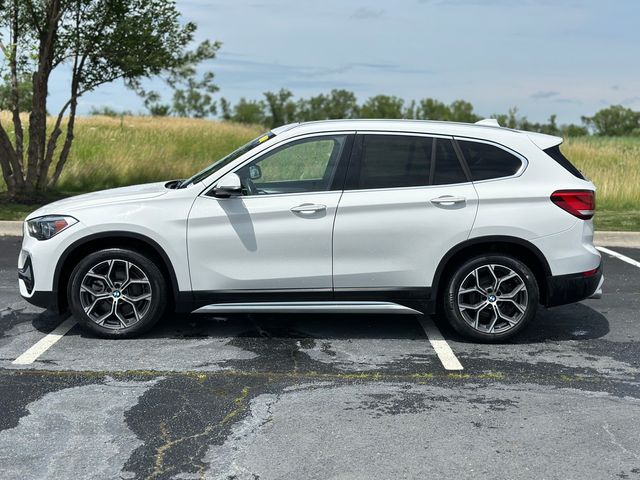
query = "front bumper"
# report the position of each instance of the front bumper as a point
(563, 289)
(48, 300)
(27, 281)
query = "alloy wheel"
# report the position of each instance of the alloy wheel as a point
(493, 298)
(115, 294)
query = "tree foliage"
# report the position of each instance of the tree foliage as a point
(280, 108)
(25, 94)
(192, 92)
(99, 41)
(614, 121)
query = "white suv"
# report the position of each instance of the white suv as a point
(478, 222)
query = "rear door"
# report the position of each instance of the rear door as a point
(407, 201)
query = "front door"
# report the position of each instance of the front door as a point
(276, 236)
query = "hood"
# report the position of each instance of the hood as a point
(102, 197)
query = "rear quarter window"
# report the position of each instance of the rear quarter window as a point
(488, 161)
(556, 154)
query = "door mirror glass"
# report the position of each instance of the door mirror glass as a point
(228, 186)
(255, 172)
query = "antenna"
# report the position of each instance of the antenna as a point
(489, 122)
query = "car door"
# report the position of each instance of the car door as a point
(276, 236)
(407, 201)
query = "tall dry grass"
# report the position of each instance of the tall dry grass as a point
(110, 152)
(613, 164)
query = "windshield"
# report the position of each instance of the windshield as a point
(201, 175)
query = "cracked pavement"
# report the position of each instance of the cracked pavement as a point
(317, 396)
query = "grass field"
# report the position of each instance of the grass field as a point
(110, 152)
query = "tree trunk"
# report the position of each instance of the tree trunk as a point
(66, 148)
(15, 91)
(38, 116)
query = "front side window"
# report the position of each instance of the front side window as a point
(305, 165)
(488, 161)
(391, 161)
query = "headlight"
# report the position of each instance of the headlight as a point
(43, 228)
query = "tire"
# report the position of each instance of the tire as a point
(117, 293)
(498, 306)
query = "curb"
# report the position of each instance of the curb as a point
(609, 239)
(12, 229)
(617, 239)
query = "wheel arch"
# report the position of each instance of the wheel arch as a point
(112, 239)
(523, 250)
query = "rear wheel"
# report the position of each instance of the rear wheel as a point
(491, 298)
(117, 293)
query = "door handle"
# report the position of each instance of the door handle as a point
(307, 208)
(448, 200)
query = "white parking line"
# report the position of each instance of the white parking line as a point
(439, 344)
(29, 356)
(619, 256)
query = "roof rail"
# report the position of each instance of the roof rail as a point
(489, 122)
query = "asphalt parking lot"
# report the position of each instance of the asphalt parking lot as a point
(313, 396)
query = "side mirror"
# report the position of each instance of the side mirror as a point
(228, 186)
(255, 172)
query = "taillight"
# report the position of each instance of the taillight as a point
(580, 203)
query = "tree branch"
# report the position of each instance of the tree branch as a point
(34, 17)
(8, 162)
(15, 91)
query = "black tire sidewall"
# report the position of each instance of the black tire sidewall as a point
(150, 269)
(451, 298)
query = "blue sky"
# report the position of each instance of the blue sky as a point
(570, 57)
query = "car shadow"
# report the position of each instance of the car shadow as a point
(569, 322)
(566, 323)
(290, 326)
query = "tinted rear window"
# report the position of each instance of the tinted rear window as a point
(488, 161)
(395, 161)
(447, 169)
(391, 161)
(556, 154)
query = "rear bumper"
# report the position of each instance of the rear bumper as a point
(563, 289)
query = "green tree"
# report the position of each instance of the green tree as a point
(432, 109)
(192, 93)
(282, 109)
(245, 111)
(312, 108)
(98, 41)
(462, 111)
(109, 112)
(24, 93)
(337, 104)
(614, 121)
(572, 130)
(341, 104)
(382, 106)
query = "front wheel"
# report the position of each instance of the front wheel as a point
(117, 293)
(491, 298)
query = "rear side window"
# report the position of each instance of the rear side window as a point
(488, 161)
(395, 161)
(448, 169)
(556, 154)
(390, 161)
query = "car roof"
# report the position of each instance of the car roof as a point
(486, 130)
